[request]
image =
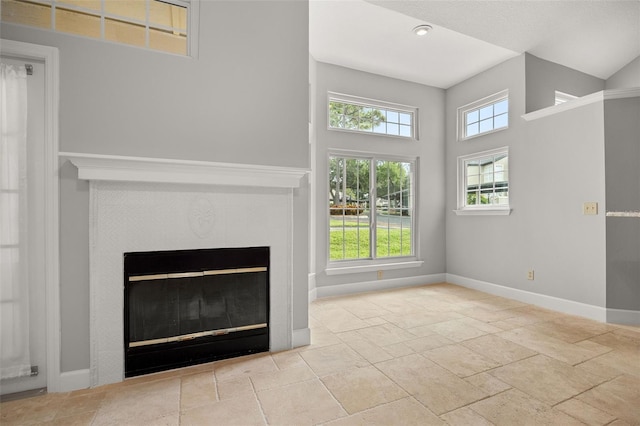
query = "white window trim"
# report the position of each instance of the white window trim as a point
(463, 209)
(484, 211)
(350, 99)
(491, 99)
(193, 19)
(51, 58)
(193, 29)
(338, 267)
(355, 269)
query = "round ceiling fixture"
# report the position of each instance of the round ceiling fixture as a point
(421, 30)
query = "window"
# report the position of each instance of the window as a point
(484, 116)
(371, 208)
(364, 115)
(483, 182)
(159, 25)
(563, 97)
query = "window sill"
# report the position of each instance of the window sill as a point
(341, 270)
(483, 212)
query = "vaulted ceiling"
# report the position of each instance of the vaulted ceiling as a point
(597, 37)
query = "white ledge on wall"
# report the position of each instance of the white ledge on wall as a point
(483, 212)
(143, 169)
(604, 95)
(624, 214)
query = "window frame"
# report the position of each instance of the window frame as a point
(373, 263)
(376, 104)
(489, 209)
(192, 31)
(476, 105)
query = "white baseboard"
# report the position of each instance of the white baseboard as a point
(74, 380)
(301, 337)
(570, 307)
(81, 379)
(313, 294)
(623, 316)
(361, 287)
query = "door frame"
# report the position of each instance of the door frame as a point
(49, 55)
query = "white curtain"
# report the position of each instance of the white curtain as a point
(14, 288)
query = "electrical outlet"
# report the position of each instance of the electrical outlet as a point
(380, 274)
(530, 275)
(590, 208)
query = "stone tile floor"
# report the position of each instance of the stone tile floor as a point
(430, 355)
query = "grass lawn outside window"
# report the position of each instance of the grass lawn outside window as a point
(371, 207)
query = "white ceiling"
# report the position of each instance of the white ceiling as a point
(597, 37)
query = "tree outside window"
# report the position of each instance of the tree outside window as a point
(361, 116)
(371, 202)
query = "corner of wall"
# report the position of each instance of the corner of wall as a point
(74, 380)
(543, 78)
(301, 337)
(313, 292)
(626, 77)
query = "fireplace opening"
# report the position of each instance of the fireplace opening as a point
(188, 307)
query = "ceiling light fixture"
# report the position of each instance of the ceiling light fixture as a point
(421, 30)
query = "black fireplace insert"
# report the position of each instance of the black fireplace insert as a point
(188, 307)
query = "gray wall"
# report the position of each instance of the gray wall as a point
(543, 78)
(243, 100)
(622, 154)
(556, 163)
(628, 76)
(429, 149)
(224, 106)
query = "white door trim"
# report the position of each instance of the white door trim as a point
(49, 55)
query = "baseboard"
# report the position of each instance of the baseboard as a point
(74, 380)
(623, 316)
(550, 302)
(362, 287)
(301, 337)
(313, 294)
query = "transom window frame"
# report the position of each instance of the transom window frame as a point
(375, 104)
(347, 266)
(477, 105)
(488, 209)
(192, 31)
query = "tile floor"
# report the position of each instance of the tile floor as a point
(430, 355)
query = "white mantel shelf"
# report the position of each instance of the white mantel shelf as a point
(143, 169)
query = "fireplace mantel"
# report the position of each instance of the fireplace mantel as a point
(152, 204)
(144, 169)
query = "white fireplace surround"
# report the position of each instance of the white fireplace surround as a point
(147, 204)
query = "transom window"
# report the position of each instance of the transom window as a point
(371, 208)
(159, 25)
(365, 115)
(483, 116)
(483, 180)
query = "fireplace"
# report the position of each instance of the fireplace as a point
(154, 205)
(187, 307)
